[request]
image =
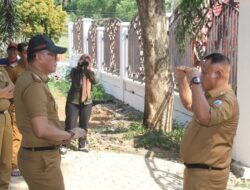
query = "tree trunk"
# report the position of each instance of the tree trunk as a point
(158, 104)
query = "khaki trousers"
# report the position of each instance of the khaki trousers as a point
(41, 169)
(17, 137)
(5, 150)
(203, 179)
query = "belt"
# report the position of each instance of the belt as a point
(202, 166)
(4, 112)
(55, 147)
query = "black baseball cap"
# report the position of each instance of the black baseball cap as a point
(42, 42)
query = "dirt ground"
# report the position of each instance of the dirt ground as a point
(111, 115)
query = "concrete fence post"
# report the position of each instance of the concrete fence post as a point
(86, 25)
(100, 49)
(123, 55)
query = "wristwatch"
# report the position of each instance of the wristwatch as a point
(195, 80)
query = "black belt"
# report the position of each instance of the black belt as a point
(42, 148)
(202, 166)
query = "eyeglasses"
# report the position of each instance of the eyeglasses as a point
(49, 53)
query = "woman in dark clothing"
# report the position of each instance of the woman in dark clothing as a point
(79, 102)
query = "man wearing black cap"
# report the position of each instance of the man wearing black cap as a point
(37, 118)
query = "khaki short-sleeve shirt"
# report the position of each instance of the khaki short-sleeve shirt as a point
(4, 81)
(33, 98)
(212, 144)
(15, 70)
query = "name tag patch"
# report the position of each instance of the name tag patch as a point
(217, 103)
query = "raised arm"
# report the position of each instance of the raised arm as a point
(184, 88)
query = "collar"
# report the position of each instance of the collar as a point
(218, 91)
(34, 70)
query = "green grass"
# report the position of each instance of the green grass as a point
(135, 116)
(98, 92)
(110, 130)
(148, 139)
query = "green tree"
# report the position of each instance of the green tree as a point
(42, 17)
(123, 9)
(192, 17)
(126, 10)
(97, 8)
(9, 21)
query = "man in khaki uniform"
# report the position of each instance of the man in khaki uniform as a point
(207, 143)
(14, 72)
(6, 93)
(37, 118)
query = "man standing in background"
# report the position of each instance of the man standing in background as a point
(11, 60)
(14, 73)
(6, 93)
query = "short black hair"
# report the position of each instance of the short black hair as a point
(21, 46)
(217, 58)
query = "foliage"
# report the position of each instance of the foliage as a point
(42, 17)
(134, 129)
(192, 15)
(98, 92)
(122, 9)
(126, 10)
(61, 85)
(146, 138)
(135, 116)
(9, 20)
(110, 130)
(171, 5)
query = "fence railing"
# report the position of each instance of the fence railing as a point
(78, 44)
(112, 47)
(135, 52)
(92, 43)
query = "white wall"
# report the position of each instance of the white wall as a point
(241, 151)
